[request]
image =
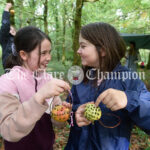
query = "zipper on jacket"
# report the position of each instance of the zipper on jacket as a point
(36, 82)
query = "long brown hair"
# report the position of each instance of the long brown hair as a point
(106, 38)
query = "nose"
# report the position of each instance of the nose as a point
(79, 51)
(48, 57)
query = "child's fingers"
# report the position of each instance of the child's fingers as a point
(80, 118)
(81, 121)
(81, 109)
(114, 108)
(81, 124)
(79, 115)
(80, 112)
(68, 105)
(65, 103)
(63, 84)
(67, 86)
(101, 97)
(59, 89)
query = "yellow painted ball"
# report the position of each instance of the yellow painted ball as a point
(92, 112)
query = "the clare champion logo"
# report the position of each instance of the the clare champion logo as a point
(75, 75)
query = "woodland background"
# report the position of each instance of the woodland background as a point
(62, 20)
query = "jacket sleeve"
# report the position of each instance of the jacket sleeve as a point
(18, 119)
(138, 105)
(5, 27)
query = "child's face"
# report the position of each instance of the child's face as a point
(12, 31)
(88, 53)
(35, 60)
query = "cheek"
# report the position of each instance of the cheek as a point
(33, 64)
(34, 61)
(96, 57)
(42, 59)
(93, 58)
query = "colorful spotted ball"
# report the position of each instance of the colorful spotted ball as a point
(60, 113)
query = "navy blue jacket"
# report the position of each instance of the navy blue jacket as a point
(6, 39)
(97, 137)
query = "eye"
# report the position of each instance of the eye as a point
(43, 53)
(83, 46)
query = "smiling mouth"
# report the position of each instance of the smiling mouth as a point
(45, 65)
(82, 58)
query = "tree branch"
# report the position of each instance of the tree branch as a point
(90, 0)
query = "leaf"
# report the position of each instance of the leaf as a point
(144, 1)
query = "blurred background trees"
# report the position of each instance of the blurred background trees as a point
(62, 20)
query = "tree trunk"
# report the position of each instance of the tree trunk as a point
(57, 41)
(45, 16)
(29, 20)
(33, 20)
(12, 17)
(64, 33)
(20, 17)
(77, 27)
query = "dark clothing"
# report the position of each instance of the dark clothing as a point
(40, 138)
(96, 136)
(6, 39)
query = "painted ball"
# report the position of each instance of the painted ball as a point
(92, 112)
(60, 113)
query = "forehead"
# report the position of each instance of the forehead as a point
(83, 41)
(45, 45)
(12, 26)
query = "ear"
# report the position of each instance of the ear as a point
(23, 55)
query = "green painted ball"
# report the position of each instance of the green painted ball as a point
(92, 112)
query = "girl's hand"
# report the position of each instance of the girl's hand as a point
(67, 105)
(113, 99)
(56, 101)
(52, 88)
(8, 6)
(79, 115)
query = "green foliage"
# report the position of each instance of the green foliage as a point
(144, 55)
(127, 16)
(1, 68)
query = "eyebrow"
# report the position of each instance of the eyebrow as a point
(82, 43)
(46, 50)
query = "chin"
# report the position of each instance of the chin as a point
(84, 63)
(43, 67)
